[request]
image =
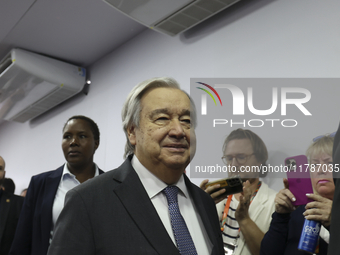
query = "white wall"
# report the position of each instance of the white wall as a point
(258, 39)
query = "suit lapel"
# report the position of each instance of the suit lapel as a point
(202, 210)
(52, 183)
(257, 204)
(146, 219)
(5, 205)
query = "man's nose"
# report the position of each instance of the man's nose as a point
(176, 129)
(234, 162)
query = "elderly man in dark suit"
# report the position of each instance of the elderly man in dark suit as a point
(334, 244)
(147, 205)
(10, 208)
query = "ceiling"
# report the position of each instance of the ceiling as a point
(76, 31)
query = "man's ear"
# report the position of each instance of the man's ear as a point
(132, 135)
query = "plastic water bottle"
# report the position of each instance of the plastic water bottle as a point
(309, 236)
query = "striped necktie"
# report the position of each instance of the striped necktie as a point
(183, 238)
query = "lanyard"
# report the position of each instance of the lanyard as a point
(227, 206)
(225, 212)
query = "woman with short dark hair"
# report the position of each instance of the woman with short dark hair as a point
(46, 192)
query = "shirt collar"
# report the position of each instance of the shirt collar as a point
(152, 184)
(67, 174)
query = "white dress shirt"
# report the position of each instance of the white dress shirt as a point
(67, 182)
(154, 187)
(324, 234)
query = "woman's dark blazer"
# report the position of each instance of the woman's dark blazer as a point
(33, 231)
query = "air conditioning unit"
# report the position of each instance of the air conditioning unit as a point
(170, 16)
(31, 84)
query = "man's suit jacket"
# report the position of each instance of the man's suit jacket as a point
(112, 214)
(334, 244)
(10, 207)
(35, 222)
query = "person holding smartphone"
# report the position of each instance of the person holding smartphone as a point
(287, 221)
(244, 217)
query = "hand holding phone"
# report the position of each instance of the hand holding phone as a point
(232, 185)
(284, 199)
(299, 179)
(214, 191)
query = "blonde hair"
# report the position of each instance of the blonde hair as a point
(322, 145)
(259, 148)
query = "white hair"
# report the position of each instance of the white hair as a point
(132, 106)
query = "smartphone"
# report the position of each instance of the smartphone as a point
(232, 185)
(299, 179)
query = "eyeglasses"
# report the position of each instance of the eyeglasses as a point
(321, 136)
(240, 158)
